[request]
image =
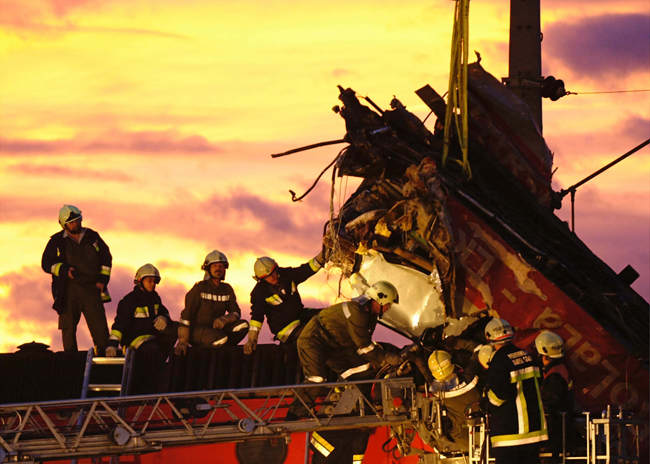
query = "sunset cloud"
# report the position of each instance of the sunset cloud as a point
(143, 142)
(614, 45)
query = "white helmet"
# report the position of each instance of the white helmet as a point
(148, 270)
(383, 292)
(215, 256)
(485, 354)
(498, 330)
(440, 364)
(68, 213)
(263, 267)
(550, 344)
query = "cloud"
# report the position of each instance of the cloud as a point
(142, 142)
(613, 45)
(70, 173)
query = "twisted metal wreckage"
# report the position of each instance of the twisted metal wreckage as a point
(456, 244)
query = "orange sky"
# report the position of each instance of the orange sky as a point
(156, 118)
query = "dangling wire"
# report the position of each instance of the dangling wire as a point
(457, 100)
(293, 194)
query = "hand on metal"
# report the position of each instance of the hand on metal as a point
(111, 351)
(181, 348)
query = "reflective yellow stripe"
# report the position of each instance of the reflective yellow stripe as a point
(355, 370)
(142, 311)
(116, 335)
(366, 349)
(315, 379)
(314, 265)
(185, 322)
(255, 325)
(494, 399)
(106, 270)
(137, 341)
(357, 459)
(56, 268)
(274, 300)
(322, 445)
(284, 333)
(519, 438)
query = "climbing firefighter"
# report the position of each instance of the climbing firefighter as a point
(517, 423)
(275, 296)
(142, 323)
(80, 264)
(211, 316)
(557, 391)
(340, 338)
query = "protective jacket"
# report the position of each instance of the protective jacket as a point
(281, 303)
(515, 403)
(91, 259)
(206, 301)
(134, 319)
(557, 388)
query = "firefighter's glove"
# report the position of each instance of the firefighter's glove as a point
(111, 351)
(251, 343)
(219, 323)
(392, 359)
(160, 323)
(181, 348)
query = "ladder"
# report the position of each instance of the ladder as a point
(114, 426)
(121, 388)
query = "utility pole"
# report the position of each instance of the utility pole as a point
(525, 55)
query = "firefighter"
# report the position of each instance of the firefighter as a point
(557, 390)
(340, 337)
(517, 423)
(143, 323)
(458, 396)
(275, 296)
(339, 446)
(80, 264)
(211, 317)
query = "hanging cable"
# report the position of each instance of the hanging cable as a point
(293, 194)
(456, 112)
(606, 91)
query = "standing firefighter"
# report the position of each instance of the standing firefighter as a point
(142, 323)
(80, 264)
(211, 316)
(557, 390)
(517, 423)
(276, 297)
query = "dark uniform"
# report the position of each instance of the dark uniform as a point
(134, 328)
(281, 304)
(339, 446)
(557, 396)
(339, 337)
(456, 398)
(92, 261)
(517, 423)
(203, 304)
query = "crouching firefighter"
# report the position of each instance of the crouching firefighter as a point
(142, 323)
(211, 317)
(455, 399)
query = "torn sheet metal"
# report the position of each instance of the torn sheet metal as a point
(420, 301)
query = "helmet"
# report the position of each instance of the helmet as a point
(68, 213)
(263, 267)
(383, 292)
(440, 364)
(549, 344)
(485, 353)
(498, 330)
(215, 256)
(148, 270)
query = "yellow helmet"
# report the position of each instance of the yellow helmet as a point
(383, 292)
(440, 364)
(148, 270)
(485, 353)
(68, 213)
(550, 344)
(498, 330)
(215, 256)
(263, 267)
